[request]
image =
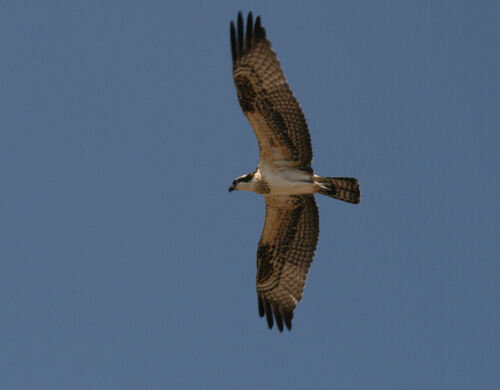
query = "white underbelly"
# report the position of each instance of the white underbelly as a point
(288, 180)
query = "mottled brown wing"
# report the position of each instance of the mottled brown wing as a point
(286, 251)
(266, 98)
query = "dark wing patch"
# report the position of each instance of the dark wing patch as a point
(266, 98)
(285, 254)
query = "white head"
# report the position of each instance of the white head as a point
(243, 183)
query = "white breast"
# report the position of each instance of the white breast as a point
(284, 179)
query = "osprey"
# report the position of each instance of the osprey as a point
(284, 174)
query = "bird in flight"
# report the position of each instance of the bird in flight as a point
(284, 174)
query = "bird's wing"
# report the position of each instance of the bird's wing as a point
(266, 98)
(285, 253)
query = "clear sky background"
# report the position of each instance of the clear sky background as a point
(125, 263)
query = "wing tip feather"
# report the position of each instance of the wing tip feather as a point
(261, 307)
(241, 40)
(248, 39)
(259, 31)
(274, 313)
(288, 319)
(240, 33)
(269, 314)
(278, 318)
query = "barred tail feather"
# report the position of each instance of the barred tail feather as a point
(343, 188)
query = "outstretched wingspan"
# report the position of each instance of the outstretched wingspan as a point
(266, 98)
(284, 175)
(285, 253)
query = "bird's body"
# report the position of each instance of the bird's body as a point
(284, 175)
(280, 178)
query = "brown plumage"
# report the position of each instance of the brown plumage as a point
(284, 175)
(285, 254)
(266, 97)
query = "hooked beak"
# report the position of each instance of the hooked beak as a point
(231, 188)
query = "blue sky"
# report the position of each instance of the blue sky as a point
(126, 264)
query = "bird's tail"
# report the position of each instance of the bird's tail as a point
(343, 188)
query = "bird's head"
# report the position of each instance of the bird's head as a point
(242, 183)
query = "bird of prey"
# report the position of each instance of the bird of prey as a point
(284, 174)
